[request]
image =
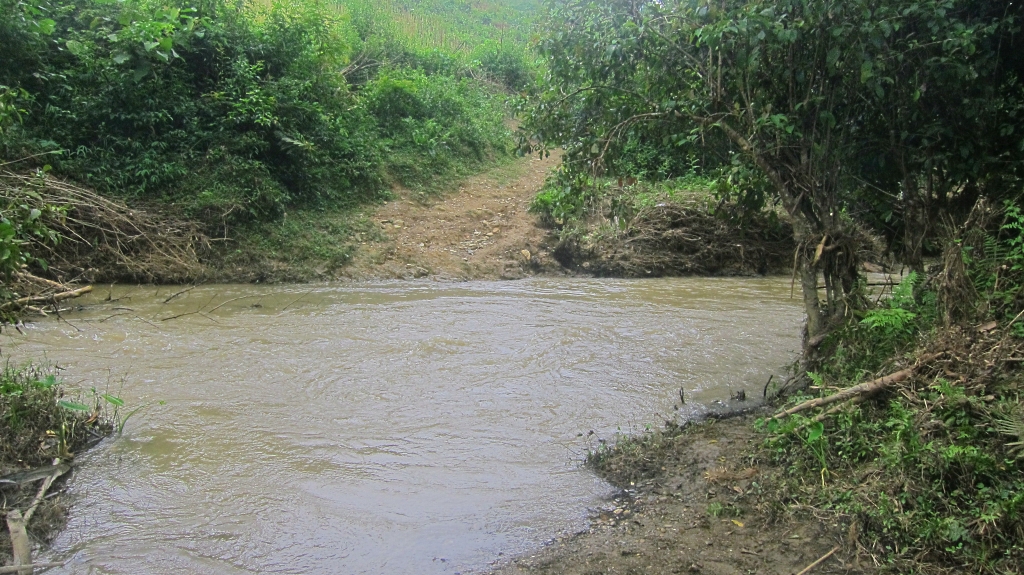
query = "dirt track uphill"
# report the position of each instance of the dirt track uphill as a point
(480, 231)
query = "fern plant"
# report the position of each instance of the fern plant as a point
(1013, 227)
(896, 320)
(1013, 426)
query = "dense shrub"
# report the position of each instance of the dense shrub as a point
(233, 111)
(433, 123)
(929, 474)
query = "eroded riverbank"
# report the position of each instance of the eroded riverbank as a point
(692, 501)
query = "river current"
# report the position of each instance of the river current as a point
(392, 428)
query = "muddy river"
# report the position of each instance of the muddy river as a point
(397, 428)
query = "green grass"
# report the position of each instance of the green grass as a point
(304, 245)
(38, 422)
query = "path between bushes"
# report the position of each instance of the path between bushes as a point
(483, 230)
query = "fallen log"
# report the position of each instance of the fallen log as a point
(52, 298)
(16, 568)
(859, 391)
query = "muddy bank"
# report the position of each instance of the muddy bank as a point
(692, 501)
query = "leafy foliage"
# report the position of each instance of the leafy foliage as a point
(21, 227)
(932, 472)
(234, 111)
(799, 99)
(36, 422)
(938, 483)
(897, 319)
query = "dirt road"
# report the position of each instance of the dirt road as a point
(482, 230)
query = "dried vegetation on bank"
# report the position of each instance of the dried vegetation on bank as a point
(662, 229)
(103, 239)
(41, 430)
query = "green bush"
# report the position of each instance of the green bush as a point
(434, 124)
(564, 197)
(506, 66)
(37, 423)
(232, 112)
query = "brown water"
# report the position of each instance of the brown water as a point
(400, 428)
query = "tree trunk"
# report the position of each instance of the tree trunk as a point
(803, 232)
(915, 228)
(808, 270)
(812, 305)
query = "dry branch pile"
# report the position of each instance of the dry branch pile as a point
(977, 360)
(105, 239)
(676, 239)
(45, 295)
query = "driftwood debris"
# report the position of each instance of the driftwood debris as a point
(818, 562)
(17, 524)
(33, 475)
(21, 547)
(17, 568)
(46, 299)
(858, 392)
(57, 472)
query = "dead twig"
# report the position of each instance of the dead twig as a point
(184, 291)
(864, 390)
(819, 561)
(27, 277)
(296, 300)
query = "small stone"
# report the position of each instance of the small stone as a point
(526, 254)
(495, 230)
